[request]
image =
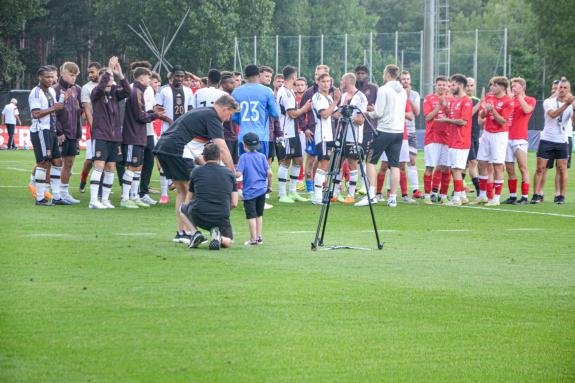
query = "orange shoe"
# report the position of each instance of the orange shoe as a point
(48, 195)
(333, 199)
(32, 189)
(349, 200)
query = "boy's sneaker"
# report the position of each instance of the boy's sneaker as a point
(164, 199)
(286, 199)
(108, 204)
(61, 201)
(391, 203)
(97, 205)
(196, 239)
(408, 200)
(560, 200)
(522, 201)
(298, 198)
(44, 202)
(216, 241)
(379, 197)
(182, 238)
(139, 202)
(129, 204)
(267, 206)
(251, 242)
(260, 240)
(510, 201)
(536, 199)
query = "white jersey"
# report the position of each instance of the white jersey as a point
(286, 102)
(359, 100)
(40, 100)
(555, 129)
(206, 97)
(323, 126)
(165, 97)
(149, 103)
(87, 91)
(415, 99)
(10, 112)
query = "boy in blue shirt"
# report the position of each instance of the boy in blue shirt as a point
(257, 179)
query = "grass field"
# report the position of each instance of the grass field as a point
(456, 295)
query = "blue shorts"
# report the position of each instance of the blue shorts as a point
(310, 148)
(264, 149)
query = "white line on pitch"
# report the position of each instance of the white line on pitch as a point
(526, 229)
(453, 230)
(12, 186)
(519, 211)
(134, 234)
(18, 169)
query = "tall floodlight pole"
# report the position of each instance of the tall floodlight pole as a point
(505, 52)
(428, 48)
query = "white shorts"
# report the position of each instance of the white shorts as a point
(458, 158)
(89, 150)
(403, 154)
(193, 149)
(493, 147)
(513, 146)
(436, 154)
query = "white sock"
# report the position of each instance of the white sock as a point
(135, 185)
(55, 182)
(318, 181)
(353, 174)
(294, 175)
(64, 190)
(95, 184)
(371, 192)
(337, 184)
(40, 181)
(163, 184)
(282, 180)
(413, 177)
(107, 185)
(456, 196)
(127, 184)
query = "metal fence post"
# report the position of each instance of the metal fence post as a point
(371, 56)
(345, 60)
(235, 53)
(505, 52)
(255, 49)
(396, 45)
(449, 52)
(277, 52)
(321, 50)
(475, 56)
(299, 55)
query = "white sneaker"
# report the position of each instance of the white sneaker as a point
(391, 203)
(149, 200)
(97, 205)
(139, 202)
(108, 204)
(69, 198)
(316, 201)
(267, 206)
(407, 199)
(365, 201)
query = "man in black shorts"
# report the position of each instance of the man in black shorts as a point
(212, 193)
(183, 143)
(230, 133)
(475, 132)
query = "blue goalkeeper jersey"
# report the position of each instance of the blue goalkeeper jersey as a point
(257, 104)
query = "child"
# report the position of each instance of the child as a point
(254, 168)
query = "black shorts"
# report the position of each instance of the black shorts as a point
(176, 168)
(233, 148)
(473, 150)
(271, 150)
(70, 148)
(390, 143)
(200, 222)
(553, 151)
(324, 150)
(255, 207)
(45, 145)
(106, 151)
(350, 151)
(291, 148)
(133, 155)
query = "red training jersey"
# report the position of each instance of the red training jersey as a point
(435, 132)
(520, 120)
(460, 109)
(503, 106)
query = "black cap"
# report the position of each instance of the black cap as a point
(252, 141)
(252, 70)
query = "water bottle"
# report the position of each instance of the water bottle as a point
(61, 98)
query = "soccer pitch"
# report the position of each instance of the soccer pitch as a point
(456, 295)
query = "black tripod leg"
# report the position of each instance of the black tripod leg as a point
(364, 177)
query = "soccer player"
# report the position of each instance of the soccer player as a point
(495, 111)
(207, 96)
(183, 143)
(459, 120)
(289, 147)
(238, 79)
(43, 106)
(228, 85)
(134, 138)
(554, 144)
(518, 145)
(435, 106)
(68, 127)
(266, 74)
(11, 116)
(475, 131)
(279, 82)
(323, 106)
(389, 110)
(370, 92)
(414, 100)
(176, 99)
(93, 77)
(106, 131)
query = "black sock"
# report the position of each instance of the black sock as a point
(475, 181)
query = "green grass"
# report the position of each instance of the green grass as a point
(104, 296)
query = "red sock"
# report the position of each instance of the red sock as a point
(482, 184)
(498, 187)
(403, 183)
(427, 184)
(84, 176)
(345, 171)
(239, 185)
(512, 186)
(457, 185)
(380, 181)
(445, 180)
(300, 177)
(436, 183)
(490, 187)
(525, 189)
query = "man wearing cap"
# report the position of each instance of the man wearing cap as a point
(10, 116)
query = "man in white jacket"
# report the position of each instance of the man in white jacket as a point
(389, 110)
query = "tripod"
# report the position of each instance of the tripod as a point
(334, 169)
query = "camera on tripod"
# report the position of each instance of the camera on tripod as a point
(346, 110)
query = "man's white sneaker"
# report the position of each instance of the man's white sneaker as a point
(365, 201)
(391, 203)
(108, 204)
(149, 200)
(97, 205)
(70, 199)
(407, 199)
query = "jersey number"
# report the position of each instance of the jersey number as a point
(179, 110)
(250, 111)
